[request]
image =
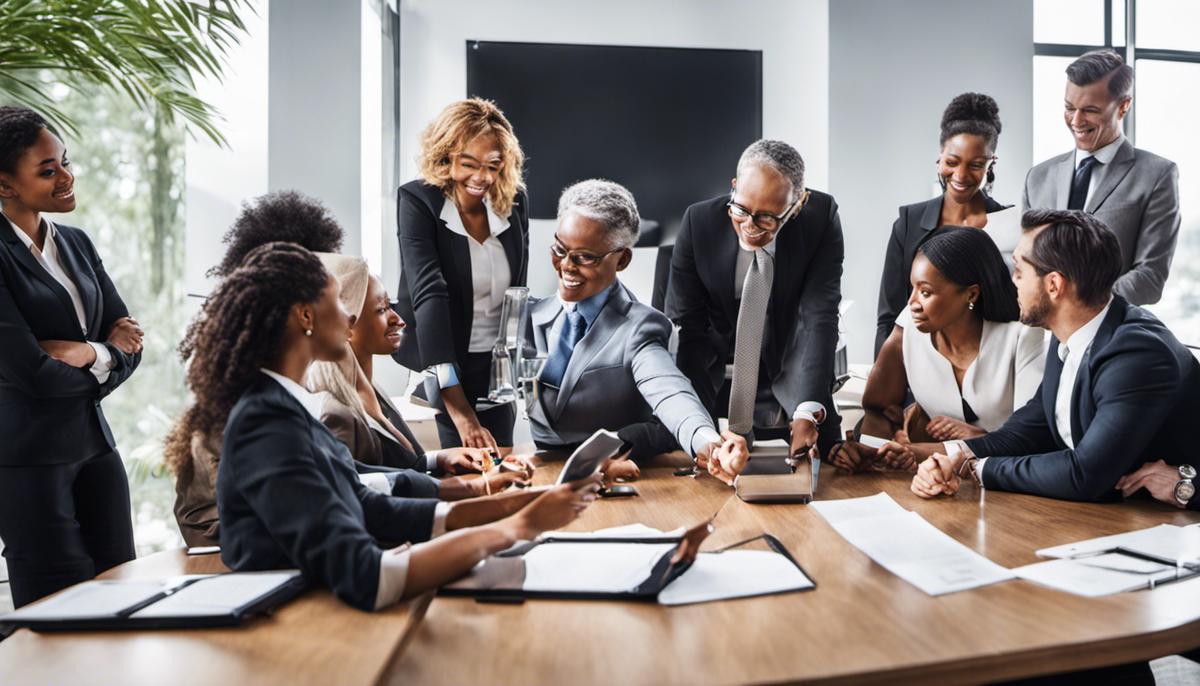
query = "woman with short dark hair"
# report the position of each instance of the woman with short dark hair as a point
(66, 342)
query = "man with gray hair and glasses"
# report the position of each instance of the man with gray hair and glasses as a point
(755, 284)
(607, 364)
(1134, 192)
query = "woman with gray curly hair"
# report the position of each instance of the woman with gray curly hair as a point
(607, 364)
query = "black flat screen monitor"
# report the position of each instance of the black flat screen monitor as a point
(668, 123)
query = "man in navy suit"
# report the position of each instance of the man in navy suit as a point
(1119, 390)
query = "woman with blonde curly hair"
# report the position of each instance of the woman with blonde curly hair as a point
(464, 239)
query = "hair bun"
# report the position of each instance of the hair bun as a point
(972, 107)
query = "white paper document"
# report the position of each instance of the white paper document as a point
(591, 567)
(908, 546)
(734, 574)
(1165, 542)
(1086, 578)
(631, 531)
(92, 599)
(217, 595)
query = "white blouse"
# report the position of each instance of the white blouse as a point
(1003, 377)
(490, 275)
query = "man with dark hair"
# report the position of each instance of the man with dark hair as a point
(1134, 192)
(1118, 390)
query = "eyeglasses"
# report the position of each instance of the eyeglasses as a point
(765, 220)
(579, 258)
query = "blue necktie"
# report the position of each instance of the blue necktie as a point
(1079, 185)
(568, 338)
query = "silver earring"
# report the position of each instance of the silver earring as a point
(308, 332)
(971, 305)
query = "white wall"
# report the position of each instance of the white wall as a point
(893, 68)
(792, 35)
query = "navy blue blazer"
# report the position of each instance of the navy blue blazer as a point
(50, 411)
(1136, 400)
(802, 318)
(916, 224)
(289, 497)
(435, 296)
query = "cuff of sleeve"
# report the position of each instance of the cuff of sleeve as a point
(431, 460)
(439, 519)
(376, 481)
(104, 362)
(704, 436)
(445, 374)
(393, 573)
(810, 410)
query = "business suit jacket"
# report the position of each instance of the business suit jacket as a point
(369, 446)
(1136, 399)
(49, 411)
(289, 496)
(916, 224)
(435, 297)
(802, 315)
(620, 374)
(1138, 199)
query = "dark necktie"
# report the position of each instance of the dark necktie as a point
(556, 363)
(1079, 185)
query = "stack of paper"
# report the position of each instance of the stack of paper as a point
(908, 546)
(596, 567)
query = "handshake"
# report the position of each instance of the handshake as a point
(726, 459)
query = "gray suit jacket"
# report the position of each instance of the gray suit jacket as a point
(1138, 198)
(620, 374)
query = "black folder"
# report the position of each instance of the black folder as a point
(182, 603)
(501, 577)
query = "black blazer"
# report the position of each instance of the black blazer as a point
(1136, 399)
(915, 225)
(288, 496)
(802, 314)
(435, 297)
(49, 411)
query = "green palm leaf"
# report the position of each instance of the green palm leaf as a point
(151, 50)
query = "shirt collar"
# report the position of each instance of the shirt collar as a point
(590, 307)
(1104, 155)
(496, 224)
(769, 247)
(311, 402)
(25, 237)
(1083, 336)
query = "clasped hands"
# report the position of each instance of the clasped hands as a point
(125, 334)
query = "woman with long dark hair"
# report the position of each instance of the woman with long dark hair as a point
(958, 346)
(66, 342)
(287, 489)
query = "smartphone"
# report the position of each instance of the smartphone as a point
(618, 492)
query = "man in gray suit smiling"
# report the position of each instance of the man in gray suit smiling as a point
(607, 364)
(1134, 192)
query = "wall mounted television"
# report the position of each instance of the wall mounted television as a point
(668, 123)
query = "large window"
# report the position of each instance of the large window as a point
(1159, 38)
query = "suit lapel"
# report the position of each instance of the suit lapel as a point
(542, 314)
(1063, 178)
(606, 324)
(24, 257)
(1083, 379)
(1120, 166)
(84, 280)
(511, 240)
(722, 259)
(1050, 379)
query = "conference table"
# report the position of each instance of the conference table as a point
(860, 625)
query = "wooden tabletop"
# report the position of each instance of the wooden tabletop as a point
(861, 625)
(314, 639)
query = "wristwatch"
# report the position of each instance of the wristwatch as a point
(1184, 488)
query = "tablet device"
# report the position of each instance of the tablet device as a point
(590, 456)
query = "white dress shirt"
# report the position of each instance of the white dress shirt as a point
(49, 259)
(809, 409)
(1072, 353)
(393, 563)
(1105, 157)
(490, 275)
